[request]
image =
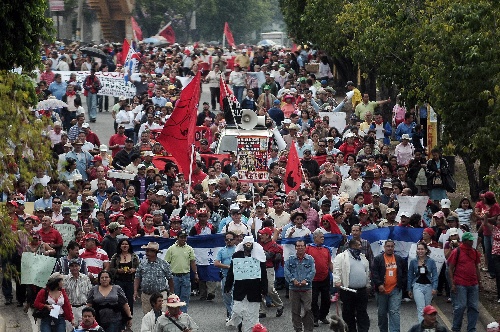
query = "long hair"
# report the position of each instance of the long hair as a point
(119, 248)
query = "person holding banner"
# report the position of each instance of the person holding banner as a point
(422, 279)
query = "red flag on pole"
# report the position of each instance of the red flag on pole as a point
(177, 136)
(168, 33)
(229, 35)
(293, 173)
(136, 28)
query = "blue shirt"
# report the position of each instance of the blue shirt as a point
(58, 89)
(43, 203)
(403, 128)
(225, 256)
(160, 101)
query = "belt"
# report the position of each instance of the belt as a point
(78, 305)
(179, 274)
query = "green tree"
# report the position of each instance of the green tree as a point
(23, 148)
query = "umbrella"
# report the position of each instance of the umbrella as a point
(50, 103)
(155, 40)
(266, 42)
(92, 51)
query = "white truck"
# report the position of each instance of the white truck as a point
(275, 36)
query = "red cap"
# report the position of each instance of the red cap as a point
(259, 328)
(191, 201)
(363, 211)
(429, 310)
(97, 158)
(13, 203)
(147, 215)
(489, 195)
(266, 230)
(430, 231)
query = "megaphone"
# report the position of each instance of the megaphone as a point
(280, 142)
(249, 119)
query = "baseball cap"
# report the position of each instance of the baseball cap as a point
(85, 125)
(114, 225)
(129, 140)
(266, 230)
(66, 210)
(429, 310)
(405, 214)
(453, 231)
(467, 236)
(390, 210)
(446, 203)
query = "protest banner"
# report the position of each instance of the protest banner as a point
(246, 268)
(67, 233)
(252, 158)
(36, 269)
(335, 119)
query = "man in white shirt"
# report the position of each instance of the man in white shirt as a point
(126, 118)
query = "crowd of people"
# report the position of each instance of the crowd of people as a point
(368, 166)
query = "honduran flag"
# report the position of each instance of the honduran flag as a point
(403, 238)
(132, 59)
(205, 249)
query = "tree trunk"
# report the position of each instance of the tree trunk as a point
(345, 70)
(472, 177)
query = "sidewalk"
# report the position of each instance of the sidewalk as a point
(13, 318)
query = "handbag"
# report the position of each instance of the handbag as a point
(437, 181)
(43, 313)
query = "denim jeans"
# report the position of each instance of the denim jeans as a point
(496, 265)
(465, 297)
(92, 105)
(238, 92)
(182, 288)
(488, 245)
(227, 298)
(59, 324)
(112, 326)
(388, 310)
(422, 294)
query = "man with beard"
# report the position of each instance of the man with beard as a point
(248, 287)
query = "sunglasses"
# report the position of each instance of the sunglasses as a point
(56, 202)
(228, 240)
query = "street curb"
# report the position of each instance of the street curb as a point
(3, 326)
(484, 316)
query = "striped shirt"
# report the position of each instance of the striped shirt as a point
(77, 288)
(94, 260)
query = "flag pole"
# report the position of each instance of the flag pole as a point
(223, 42)
(190, 170)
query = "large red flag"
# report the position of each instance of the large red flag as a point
(229, 35)
(293, 173)
(168, 33)
(136, 28)
(177, 136)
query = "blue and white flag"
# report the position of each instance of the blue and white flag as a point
(205, 249)
(403, 237)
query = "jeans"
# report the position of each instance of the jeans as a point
(488, 244)
(92, 105)
(112, 326)
(227, 298)
(128, 288)
(50, 324)
(388, 310)
(182, 288)
(422, 294)
(271, 291)
(465, 297)
(321, 290)
(354, 310)
(298, 300)
(238, 92)
(496, 265)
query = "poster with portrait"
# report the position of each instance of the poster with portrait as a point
(252, 158)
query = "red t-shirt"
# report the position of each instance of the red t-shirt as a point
(132, 224)
(322, 259)
(117, 139)
(465, 265)
(51, 237)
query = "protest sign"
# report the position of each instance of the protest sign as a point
(412, 205)
(252, 158)
(67, 233)
(36, 269)
(246, 268)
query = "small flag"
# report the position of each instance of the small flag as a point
(136, 29)
(168, 33)
(229, 35)
(293, 173)
(131, 60)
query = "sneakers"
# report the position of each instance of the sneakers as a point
(448, 300)
(210, 297)
(8, 301)
(262, 315)
(316, 324)
(279, 312)
(325, 321)
(406, 299)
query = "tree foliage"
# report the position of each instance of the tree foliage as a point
(441, 51)
(23, 26)
(23, 148)
(243, 17)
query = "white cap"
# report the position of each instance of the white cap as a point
(148, 153)
(103, 147)
(234, 206)
(405, 136)
(287, 121)
(405, 214)
(162, 193)
(445, 203)
(85, 125)
(452, 231)
(122, 98)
